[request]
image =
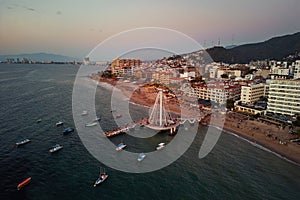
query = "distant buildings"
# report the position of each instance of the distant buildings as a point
(284, 97)
(162, 77)
(121, 67)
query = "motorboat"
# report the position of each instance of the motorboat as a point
(89, 124)
(55, 148)
(23, 183)
(22, 142)
(102, 177)
(141, 157)
(160, 146)
(97, 119)
(68, 130)
(120, 146)
(84, 113)
(60, 123)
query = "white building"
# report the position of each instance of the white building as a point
(279, 70)
(284, 97)
(216, 92)
(296, 69)
(251, 93)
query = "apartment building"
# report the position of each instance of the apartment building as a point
(252, 92)
(284, 97)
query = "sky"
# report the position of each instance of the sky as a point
(74, 28)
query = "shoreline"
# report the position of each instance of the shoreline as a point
(261, 146)
(254, 132)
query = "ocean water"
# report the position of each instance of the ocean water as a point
(235, 169)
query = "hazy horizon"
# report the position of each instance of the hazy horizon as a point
(74, 29)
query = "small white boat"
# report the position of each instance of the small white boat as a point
(55, 148)
(84, 113)
(121, 146)
(160, 146)
(22, 142)
(97, 119)
(102, 177)
(141, 157)
(60, 123)
(89, 124)
(39, 121)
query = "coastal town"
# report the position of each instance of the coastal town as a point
(260, 99)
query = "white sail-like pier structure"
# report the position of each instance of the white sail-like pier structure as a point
(160, 118)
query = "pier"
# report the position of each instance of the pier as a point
(127, 127)
(160, 119)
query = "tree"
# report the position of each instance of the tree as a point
(230, 104)
(297, 122)
(224, 76)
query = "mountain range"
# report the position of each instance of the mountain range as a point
(277, 48)
(46, 57)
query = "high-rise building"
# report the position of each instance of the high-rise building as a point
(251, 93)
(284, 97)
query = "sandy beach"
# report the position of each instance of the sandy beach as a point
(266, 135)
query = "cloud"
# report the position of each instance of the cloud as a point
(8, 7)
(58, 12)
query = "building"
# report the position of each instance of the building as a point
(121, 67)
(284, 97)
(216, 92)
(230, 72)
(296, 69)
(252, 93)
(279, 70)
(162, 77)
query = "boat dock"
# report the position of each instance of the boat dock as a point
(124, 129)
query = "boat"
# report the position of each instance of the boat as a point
(23, 183)
(89, 124)
(84, 113)
(102, 177)
(60, 123)
(120, 146)
(22, 142)
(39, 120)
(160, 146)
(55, 148)
(118, 115)
(97, 119)
(141, 156)
(68, 130)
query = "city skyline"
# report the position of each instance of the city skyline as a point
(74, 29)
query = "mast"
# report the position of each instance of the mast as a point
(160, 108)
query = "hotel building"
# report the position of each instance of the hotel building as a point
(251, 93)
(284, 97)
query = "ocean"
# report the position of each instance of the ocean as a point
(234, 169)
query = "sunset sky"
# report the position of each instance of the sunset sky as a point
(74, 29)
